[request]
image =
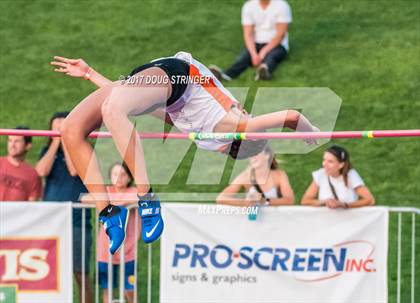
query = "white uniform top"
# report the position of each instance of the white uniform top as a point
(202, 105)
(265, 20)
(345, 193)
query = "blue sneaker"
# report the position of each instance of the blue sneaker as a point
(151, 219)
(115, 219)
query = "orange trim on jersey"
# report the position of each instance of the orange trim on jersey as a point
(225, 101)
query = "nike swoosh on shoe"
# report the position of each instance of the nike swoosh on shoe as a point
(148, 234)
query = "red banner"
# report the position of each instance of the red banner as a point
(31, 264)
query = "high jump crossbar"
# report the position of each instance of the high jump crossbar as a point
(237, 136)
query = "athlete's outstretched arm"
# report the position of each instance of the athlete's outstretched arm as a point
(80, 69)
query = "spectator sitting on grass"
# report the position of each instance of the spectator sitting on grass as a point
(264, 182)
(337, 184)
(19, 181)
(62, 184)
(265, 24)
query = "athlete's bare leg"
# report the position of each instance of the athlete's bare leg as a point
(82, 120)
(237, 121)
(129, 100)
(103, 106)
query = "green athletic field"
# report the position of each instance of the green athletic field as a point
(367, 52)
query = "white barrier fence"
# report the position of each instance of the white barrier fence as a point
(401, 217)
(414, 212)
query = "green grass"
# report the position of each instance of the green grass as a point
(366, 51)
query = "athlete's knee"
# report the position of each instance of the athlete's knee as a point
(71, 131)
(292, 119)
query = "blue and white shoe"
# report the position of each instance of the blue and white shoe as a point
(151, 219)
(114, 219)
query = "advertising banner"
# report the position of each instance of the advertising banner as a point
(36, 252)
(212, 253)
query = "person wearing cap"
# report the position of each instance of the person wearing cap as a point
(18, 179)
(337, 184)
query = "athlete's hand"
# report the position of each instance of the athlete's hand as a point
(71, 67)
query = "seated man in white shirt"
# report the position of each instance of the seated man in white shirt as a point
(265, 24)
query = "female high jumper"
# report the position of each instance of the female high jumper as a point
(179, 90)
